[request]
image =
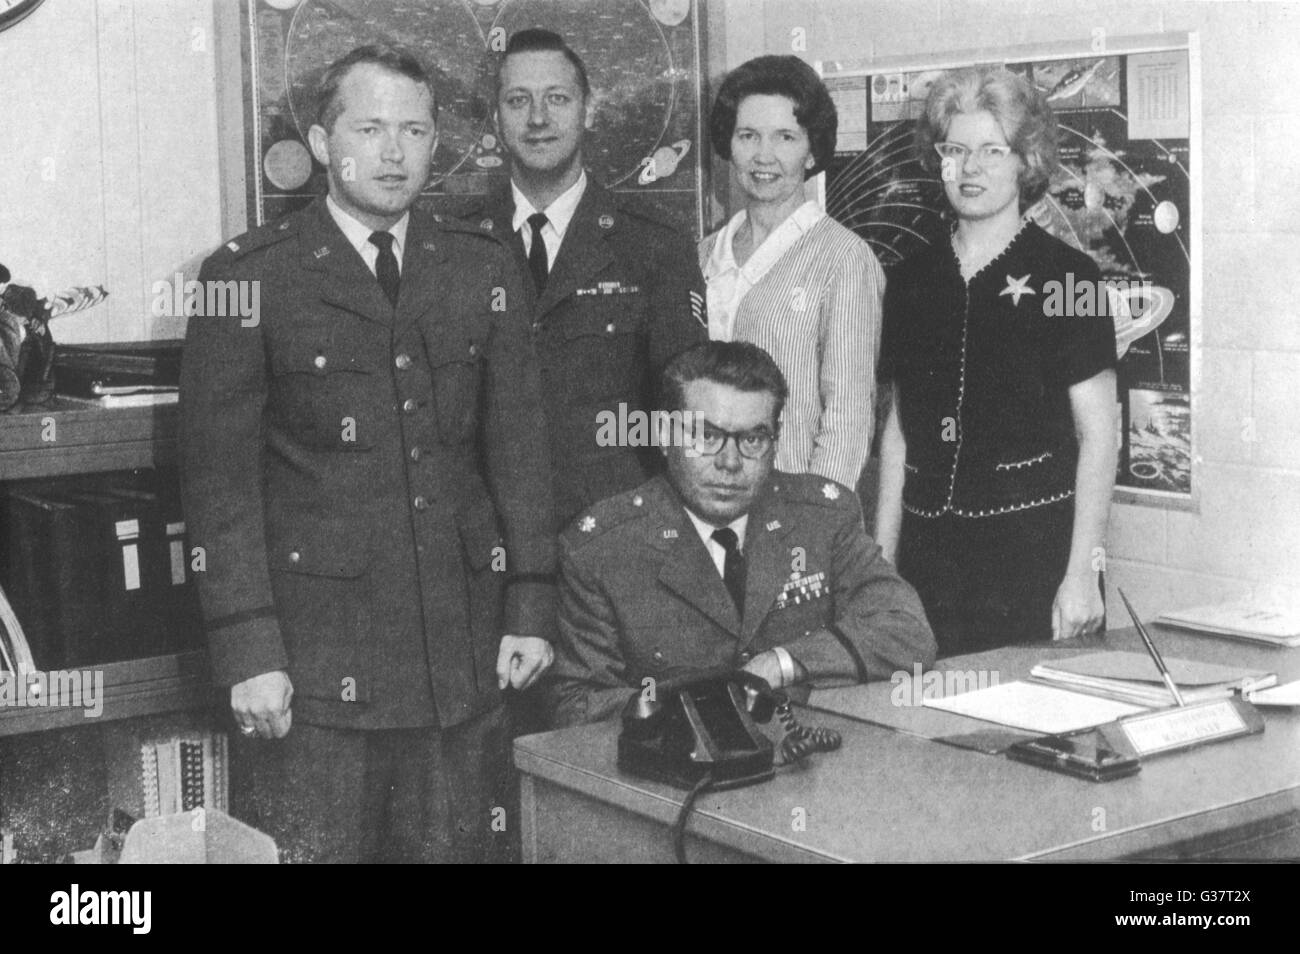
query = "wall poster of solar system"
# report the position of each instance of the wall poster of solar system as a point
(1124, 194)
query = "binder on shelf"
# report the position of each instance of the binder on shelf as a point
(97, 570)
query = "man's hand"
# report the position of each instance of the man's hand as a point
(522, 660)
(766, 666)
(262, 704)
(1077, 609)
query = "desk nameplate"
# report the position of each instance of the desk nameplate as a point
(1170, 730)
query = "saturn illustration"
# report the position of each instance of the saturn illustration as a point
(663, 163)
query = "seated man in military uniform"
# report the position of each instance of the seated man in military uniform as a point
(724, 561)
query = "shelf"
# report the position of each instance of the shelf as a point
(137, 687)
(86, 439)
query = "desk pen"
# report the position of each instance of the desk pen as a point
(1151, 648)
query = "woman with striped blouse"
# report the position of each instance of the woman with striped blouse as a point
(785, 276)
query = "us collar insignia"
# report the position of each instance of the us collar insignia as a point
(606, 221)
(486, 225)
(429, 246)
(1017, 287)
(773, 525)
(670, 534)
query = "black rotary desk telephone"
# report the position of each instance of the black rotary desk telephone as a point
(697, 730)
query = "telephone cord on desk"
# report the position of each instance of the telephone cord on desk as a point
(801, 741)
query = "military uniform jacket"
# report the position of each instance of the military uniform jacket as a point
(640, 595)
(364, 481)
(625, 295)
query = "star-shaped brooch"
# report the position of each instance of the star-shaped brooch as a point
(831, 492)
(588, 524)
(1017, 287)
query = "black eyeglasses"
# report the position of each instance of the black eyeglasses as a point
(709, 440)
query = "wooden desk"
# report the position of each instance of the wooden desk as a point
(893, 795)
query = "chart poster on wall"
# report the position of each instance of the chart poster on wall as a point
(643, 61)
(1122, 194)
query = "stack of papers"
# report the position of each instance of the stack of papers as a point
(1243, 620)
(1134, 678)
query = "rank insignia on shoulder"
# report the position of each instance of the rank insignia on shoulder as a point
(233, 246)
(588, 524)
(697, 308)
(606, 221)
(830, 491)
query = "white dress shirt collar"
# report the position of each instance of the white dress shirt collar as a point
(358, 234)
(728, 283)
(558, 216)
(716, 550)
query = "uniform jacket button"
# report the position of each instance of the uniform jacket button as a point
(320, 362)
(295, 556)
(414, 453)
(421, 503)
(403, 362)
(473, 350)
(746, 655)
(659, 657)
(409, 405)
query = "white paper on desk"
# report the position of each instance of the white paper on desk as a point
(1034, 707)
(1286, 695)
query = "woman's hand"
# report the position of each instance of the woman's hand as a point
(1077, 609)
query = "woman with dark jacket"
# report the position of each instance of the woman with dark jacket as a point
(999, 449)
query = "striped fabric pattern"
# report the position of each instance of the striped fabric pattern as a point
(817, 311)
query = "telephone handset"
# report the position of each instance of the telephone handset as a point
(701, 723)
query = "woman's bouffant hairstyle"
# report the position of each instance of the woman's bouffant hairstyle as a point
(786, 76)
(1020, 108)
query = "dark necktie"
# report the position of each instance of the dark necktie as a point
(733, 570)
(537, 253)
(386, 265)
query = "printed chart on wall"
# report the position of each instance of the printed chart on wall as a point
(1122, 195)
(642, 57)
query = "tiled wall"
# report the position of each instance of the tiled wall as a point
(110, 170)
(1246, 538)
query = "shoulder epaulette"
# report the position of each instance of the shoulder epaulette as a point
(260, 237)
(603, 516)
(813, 489)
(649, 218)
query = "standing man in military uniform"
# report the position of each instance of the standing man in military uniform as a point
(365, 468)
(726, 562)
(615, 294)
